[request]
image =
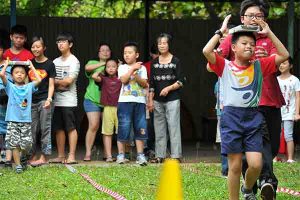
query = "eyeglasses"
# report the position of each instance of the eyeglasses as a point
(252, 16)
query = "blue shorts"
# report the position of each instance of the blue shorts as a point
(89, 106)
(131, 113)
(241, 130)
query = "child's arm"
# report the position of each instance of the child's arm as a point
(37, 76)
(126, 77)
(142, 82)
(50, 93)
(208, 50)
(297, 106)
(96, 76)
(3, 71)
(282, 53)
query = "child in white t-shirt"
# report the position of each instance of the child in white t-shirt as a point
(290, 87)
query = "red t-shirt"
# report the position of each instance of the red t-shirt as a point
(148, 68)
(24, 55)
(110, 87)
(271, 93)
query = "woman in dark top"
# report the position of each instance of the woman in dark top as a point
(165, 81)
(42, 101)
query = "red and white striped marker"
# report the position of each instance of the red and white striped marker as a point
(103, 189)
(111, 193)
(288, 191)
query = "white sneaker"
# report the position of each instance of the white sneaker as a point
(121, 159)
(290, 161)
(141, 160)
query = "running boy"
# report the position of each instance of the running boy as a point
(18, 115)
(242, 80)
(290, 88)
(132, 103)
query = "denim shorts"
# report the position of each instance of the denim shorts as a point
(241, 130)
(89, 106)
(131, 113)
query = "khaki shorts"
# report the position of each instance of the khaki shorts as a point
(110, 120)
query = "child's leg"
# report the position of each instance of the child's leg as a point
(139, 146)
(290, 150)
(107, 140)
(16, 155)
(140, 127)
(60, 141)
(234, 173)
(288, 126)
(254, 160)
(121, 147)
(73, 137)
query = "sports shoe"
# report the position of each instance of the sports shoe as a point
(267, 191)
(249, 195)
(141, 160)
(19, 169)
(121, 159)
(290, 161)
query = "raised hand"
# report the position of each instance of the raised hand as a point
(225, 23)
(265, 27)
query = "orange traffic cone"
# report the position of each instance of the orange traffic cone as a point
(170, 185)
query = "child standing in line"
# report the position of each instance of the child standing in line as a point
(18, 115)
(17, 52)
(64, 116)
(241, 122)
(110, 86)
(132, 103)
(42, 106)
(290, 88)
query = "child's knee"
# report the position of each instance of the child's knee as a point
(257, 166)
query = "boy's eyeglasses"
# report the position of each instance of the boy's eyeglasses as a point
(250, 17)
(61, 41)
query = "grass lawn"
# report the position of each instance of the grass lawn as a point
(200, 181)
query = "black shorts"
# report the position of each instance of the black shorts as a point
(64, 118)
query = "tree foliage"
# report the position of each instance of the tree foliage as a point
(134, 9)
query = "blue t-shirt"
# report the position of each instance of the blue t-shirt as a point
(19, 102)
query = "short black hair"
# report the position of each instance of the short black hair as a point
(22, 66)
(132, 44)
(237, 35)
(263, 5)
(19, 29)
(65, 36)
(38, 38)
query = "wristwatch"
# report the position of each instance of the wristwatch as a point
(219, 32)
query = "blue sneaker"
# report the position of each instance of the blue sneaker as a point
(141, 160)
